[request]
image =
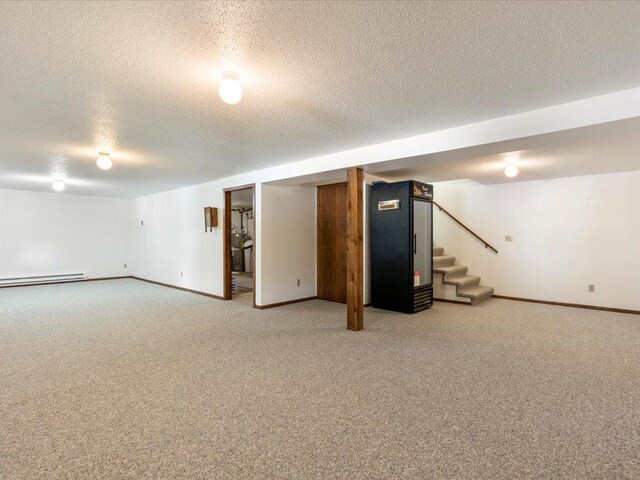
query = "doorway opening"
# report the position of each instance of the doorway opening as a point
(239, 245)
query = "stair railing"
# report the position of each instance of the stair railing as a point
(486, 244)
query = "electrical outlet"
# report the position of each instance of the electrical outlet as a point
(298, 282)
(142, 223)
(592, 288)
(125, 265)
(181, 273)
(508, 238)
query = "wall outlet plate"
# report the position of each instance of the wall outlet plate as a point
(508, 238)
(298, 282)
(592, 288)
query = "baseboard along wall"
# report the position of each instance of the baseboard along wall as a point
(280, 304)
(197, 292)
(571, 305)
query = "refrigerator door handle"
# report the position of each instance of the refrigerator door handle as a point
(415, 244)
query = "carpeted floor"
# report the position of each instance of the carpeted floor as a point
(124, 379)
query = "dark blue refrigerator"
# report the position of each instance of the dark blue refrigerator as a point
(401, 239)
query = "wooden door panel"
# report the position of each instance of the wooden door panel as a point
(332, 242)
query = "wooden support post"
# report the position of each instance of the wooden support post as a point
(355, 261)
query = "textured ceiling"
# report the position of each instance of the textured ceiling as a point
(598, 149)
(138, 79)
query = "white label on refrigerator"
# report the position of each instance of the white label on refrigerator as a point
(416, 279)
(389, 205)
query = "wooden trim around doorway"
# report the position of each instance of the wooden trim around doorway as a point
(241, 187)
(227, 246)
(227, 240)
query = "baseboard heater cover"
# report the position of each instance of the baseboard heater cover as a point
(35, 280)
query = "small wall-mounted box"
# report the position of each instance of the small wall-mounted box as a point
(210, 218)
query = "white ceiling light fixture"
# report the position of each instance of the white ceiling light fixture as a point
(104, 161)
(230, 88)
(58, 185)
(511, 171)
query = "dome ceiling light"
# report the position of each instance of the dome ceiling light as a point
(511, 171)
(104, 161)
(58, 185)
(230, 89)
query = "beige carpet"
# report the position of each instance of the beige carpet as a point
(124, 379)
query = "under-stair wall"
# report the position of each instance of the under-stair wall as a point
(446, 292)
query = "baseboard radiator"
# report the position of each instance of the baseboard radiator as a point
(35, 280)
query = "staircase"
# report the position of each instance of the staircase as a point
(467, 287)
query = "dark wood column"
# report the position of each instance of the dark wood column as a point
(355, 261)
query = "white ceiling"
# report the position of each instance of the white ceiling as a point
(598, 149)
(138, 79)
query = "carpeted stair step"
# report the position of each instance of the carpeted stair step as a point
(463, 280)
(467, 286)
(443, 261)
(477, 294)
(451, 271)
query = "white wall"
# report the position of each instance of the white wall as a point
(287, 244)
(173, 238)
(172, 246)
(567, 233)
(54, 233)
